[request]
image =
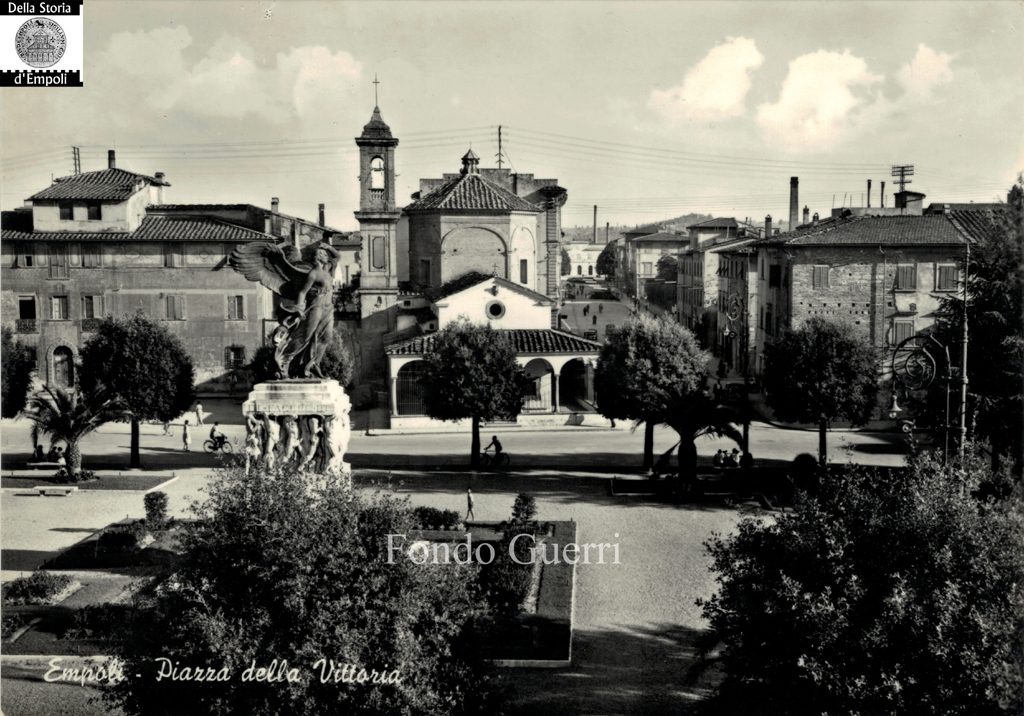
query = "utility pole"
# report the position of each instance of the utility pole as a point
(499, 147)
(593, 238)
(963, 362)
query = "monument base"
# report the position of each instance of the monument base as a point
(298, 422)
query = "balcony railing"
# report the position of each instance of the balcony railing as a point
(26, 325)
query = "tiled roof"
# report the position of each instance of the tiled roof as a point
(105, 184)
(470, 192)
(724, 223)
(661, 236)
(928, 230)
(525, 341)
(153, 228)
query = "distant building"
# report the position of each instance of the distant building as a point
(104, 243)
(583, 259)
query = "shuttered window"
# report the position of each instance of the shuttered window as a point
(902, 330)
(236, 308)
(906, 277)
(174, 308)
(946, 278)
(820, 279)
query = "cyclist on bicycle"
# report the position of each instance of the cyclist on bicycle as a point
(496, 444)
(217, 436)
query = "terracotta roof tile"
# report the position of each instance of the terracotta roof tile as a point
(470, 192)
(928, 230)
(526, 341)
(102, 185)
(153, 228)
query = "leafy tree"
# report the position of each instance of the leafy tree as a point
(17, 364)
(566, 263)
(652, 371)
(68, 415)
(471, 372)
(337, 362)
(995, 319)
(139, 362)
(880, 596)
(606, 260)
(820, 372)
(282, 569)
(668, 267)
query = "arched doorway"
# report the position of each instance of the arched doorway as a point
(409, 387)
(539, 396)
(63, 367)
(574, 387)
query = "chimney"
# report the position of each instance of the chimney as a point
(869, 193)
(320, 214)
(275, 219)
(593, 238)
(807, 215)
(815, 217)
(160, 181)
(768, 225)
(794, 201)
(881, 196)
(111, 162)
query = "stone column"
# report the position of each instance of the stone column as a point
(394, 396)
(590, 383)
(554, 391)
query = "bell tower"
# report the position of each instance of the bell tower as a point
(377, 217)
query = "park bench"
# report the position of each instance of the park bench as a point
(55, 490)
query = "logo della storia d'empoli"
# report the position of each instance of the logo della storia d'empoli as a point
(40, 42)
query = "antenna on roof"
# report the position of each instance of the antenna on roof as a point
(499, 146)
(76, 157)
(901, 172)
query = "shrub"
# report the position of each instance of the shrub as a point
(879, 596)
(432, 518)
(504, 582)
(64, 477)
(122, 538)
(99, 622)
(10, 624)
(156, 510)
(36, 588)
(524, 509)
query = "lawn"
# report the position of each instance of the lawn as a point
(107, 482)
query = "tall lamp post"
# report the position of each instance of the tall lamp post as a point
(736, 314)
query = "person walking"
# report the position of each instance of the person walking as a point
(600, 308)
(167, 427)
(186, 437)
(469, 504)
(199, 413)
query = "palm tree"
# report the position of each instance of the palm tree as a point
(68, 415)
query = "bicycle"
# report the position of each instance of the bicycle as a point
(501, 460)
(211, 446)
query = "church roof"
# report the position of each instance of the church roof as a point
(376, 128)
(105, 184)
(470, 192)
(525, 341)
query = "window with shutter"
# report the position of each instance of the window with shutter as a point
(91, 256)
(236, 308)
(902, 330)
(946, 277)
(175, 307)
(906, 277)
(820, 279)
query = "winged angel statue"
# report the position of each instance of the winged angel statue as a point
(305, 311)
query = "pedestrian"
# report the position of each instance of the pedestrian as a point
(469, 504)
(186, 437)
(167, 427)
(199, 413)
(595, 320)
(600, 308)
(732, 459)
(719, 459)
(586, 309)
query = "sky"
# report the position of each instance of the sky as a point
(648, 110)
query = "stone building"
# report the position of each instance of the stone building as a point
(104, 243)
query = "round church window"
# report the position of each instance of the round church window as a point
(495, 309)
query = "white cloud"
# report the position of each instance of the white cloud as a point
(926, 71)
(714, 88)
(825, 98)
(228, 81)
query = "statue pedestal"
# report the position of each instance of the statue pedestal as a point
(302, 422)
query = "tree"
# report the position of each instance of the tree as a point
(144, 366)
(274, 568)
(879, 596)
(337, 362)
(17, 365)
(566, 263)
(653, 371)
(668, 267)
(606, 260)
(471, 372)
(820, 372)
(995, 317)
(68, 415)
